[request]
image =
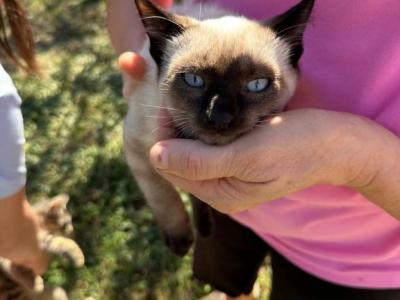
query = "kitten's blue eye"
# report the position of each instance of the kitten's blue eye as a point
(193, 80)
(258, 85)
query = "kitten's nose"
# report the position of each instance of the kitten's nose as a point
(220, 121)
(220, 113)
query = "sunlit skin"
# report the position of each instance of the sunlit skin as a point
(19, 226)
(276, 121)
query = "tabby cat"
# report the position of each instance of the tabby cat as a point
(219, 76)
(18, 283)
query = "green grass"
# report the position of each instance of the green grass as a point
(73, 115)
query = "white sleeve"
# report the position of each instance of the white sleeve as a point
(12, 158)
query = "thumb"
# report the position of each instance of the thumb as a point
(133, 68)
(193, 160)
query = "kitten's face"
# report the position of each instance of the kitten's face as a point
(54, 215)
(222, 76)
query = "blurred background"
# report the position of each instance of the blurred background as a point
(73, 115)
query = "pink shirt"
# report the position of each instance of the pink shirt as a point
(351, 63)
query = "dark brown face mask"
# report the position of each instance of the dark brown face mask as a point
(13, 16)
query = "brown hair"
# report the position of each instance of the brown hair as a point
(16, 39)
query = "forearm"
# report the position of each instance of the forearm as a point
(124, 25)
(378, 176)
(12, 217)
(19, 227)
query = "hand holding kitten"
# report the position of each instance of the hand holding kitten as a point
(315, 147)
(289, 153)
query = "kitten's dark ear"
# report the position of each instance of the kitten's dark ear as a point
(57, 202)
(160, 26)
(291, 25)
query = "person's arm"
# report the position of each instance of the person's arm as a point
(124, 25)
(294, 151)
(18, 223)
(379, 171)
(19, 227)
(127, 34)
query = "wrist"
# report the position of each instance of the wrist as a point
(373, 153)
(19, 226)
(351, 147)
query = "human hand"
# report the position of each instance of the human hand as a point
(290, 152)
(19, 228)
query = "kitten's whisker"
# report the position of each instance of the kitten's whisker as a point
(177, 121)
(161, 107)
(152, 106)
(298, 39)
(161, 126)
(157, 117)
(165, 19)
(183, 130)
(292, 27)
(201, 10)
(175, 115)
(182, 123)
(260, 126)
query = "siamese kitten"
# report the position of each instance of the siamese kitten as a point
(19, 283)
(218, 75)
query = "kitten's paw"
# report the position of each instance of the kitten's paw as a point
(53, 293)
(179, 244)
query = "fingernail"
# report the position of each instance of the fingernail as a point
(159, 156)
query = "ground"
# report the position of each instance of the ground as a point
(73, 113)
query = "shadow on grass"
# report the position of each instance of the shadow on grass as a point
(120, 227)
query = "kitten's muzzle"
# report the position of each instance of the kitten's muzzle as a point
(220, 114)
(221, 121)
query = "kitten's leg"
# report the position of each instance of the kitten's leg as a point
(162, 197)
(139, 127)
(63, 247)
(52, 293)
